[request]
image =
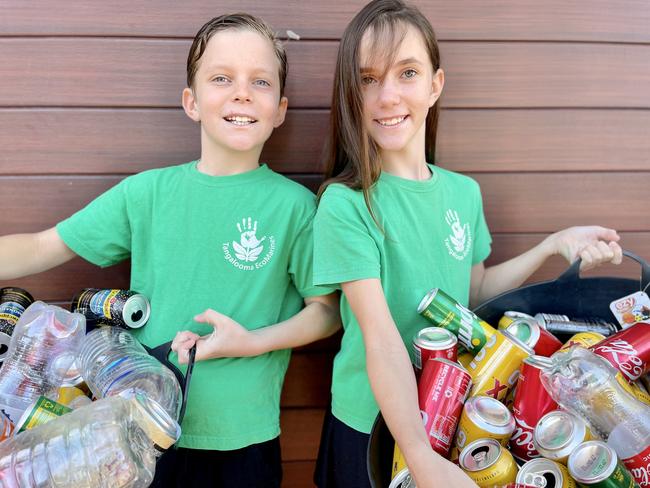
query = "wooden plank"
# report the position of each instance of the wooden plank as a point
(92, 141)
(308, 380)
(298, 474)
(601, 20)
(150, 73)
(300, 436)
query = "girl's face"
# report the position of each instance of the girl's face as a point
(397, 98)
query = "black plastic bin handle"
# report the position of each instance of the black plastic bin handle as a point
(573, 272)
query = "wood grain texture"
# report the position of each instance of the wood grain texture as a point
(301, 430)
(601, 20)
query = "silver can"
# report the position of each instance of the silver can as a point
(558, 433)
(544, 473)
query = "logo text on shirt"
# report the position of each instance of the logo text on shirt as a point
(459, 241)
(248, 251)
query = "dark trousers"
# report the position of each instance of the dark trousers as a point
(255, 466)
(342, 456)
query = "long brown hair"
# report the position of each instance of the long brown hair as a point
(351, 156)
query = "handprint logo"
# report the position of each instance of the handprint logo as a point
(459, 232)
(250, 247)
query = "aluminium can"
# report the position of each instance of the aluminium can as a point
(628, 351)
(6, 427)
(482, 417)
(400, 475)
(530, 333)
(434, 342)
(582, 339)
(531, 403)
(443, 311)
(13, 302)
(510, 316)
(122, 308)
(495, 368)
(544, 473)
(40, 412)
(558, 433)
(561, 324)
(488, 463)
(442, 390)
(595, 464)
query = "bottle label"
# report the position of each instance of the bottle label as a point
(639, 466)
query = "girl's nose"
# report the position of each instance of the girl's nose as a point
(388, 93)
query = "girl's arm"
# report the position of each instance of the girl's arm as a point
(28, 254)
(593, 244)
(319, 319)
(393, 384)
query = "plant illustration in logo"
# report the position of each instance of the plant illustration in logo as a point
(459, 233)
(250, 247)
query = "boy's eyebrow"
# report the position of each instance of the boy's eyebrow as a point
(401, 62)
(225, 67)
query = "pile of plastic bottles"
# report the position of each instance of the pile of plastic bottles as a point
(53, 434)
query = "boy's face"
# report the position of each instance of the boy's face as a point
(236, 94)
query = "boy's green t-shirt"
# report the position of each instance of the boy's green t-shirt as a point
(241, 245)
(434, 231)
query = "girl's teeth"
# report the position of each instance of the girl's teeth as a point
(393, 121)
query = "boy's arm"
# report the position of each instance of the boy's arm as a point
(593, 244)
(28, 254)
(319, 319)
(393, 384)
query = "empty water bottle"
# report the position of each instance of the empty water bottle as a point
(44, 344)
(113, 442)
(112, 361)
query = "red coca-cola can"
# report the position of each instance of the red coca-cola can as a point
(433, 342)
(528, 331)
(531, 403)
(628, 350)
(442, 390)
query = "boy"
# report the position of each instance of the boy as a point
(222, 232)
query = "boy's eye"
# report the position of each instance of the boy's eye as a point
(409, 73)
(262, 83)
(220, 79)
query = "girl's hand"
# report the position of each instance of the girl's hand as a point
(182, 343)
(595, 245)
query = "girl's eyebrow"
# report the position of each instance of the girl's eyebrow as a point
(401, 62)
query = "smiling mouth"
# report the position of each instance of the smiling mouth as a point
(240, 120)
(391, 122)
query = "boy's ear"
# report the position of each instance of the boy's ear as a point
(190, 106)
(282, 112)
(437, 84)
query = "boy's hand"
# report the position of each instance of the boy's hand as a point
(229, 339)
(595, 245)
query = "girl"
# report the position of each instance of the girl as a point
(389, 227)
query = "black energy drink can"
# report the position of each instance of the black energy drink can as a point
(121, 308)
(13, 302)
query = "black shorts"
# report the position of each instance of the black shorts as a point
(255, 466)
(342, 456)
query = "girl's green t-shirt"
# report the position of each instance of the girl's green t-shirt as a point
(241, 245)
(434, 231)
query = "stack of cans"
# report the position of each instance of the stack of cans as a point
(484, 406)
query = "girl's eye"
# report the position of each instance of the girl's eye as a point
(367, 80)
(409, 73)
(262, 83)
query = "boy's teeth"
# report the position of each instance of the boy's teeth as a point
(239, 120)
(389, 122)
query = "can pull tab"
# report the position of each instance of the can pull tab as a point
(573, 271)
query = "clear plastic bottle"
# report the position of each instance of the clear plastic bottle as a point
(112, 362)
(44, 344)
(113, 442)
(587, 385)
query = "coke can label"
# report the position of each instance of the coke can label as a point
(628, 350)
(639, 466)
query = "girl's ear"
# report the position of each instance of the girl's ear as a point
(437, 83)
(190, 106)
(281, 113)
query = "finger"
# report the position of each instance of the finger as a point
(211, 317)
(182, 337)
(587, 258)
(607, 234)
(618, 252)
(606, 253)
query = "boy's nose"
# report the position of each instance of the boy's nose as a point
(242, 93)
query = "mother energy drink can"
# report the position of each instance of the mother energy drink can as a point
(595, 464)
(121, 308)
(13, 302)
(443, 311)
(488, 463)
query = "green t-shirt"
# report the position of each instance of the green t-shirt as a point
(241, 245)
(434, 232)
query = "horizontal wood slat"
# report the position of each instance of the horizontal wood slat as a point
(150, 73)
(89, 141)
(298, 474)
(308, 380)
(513, 202)
(301, 430)
(603, 20)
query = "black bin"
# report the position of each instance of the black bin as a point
(569, 294)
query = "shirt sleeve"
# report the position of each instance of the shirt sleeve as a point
(301, 263)
(344, 249)
(483, 241)
(100, 232)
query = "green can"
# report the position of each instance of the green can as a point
(443, 311)
(595, 464)
(41, 412)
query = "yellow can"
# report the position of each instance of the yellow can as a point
(464, 358)
(400, 476)
(488, 463)
(509, 317)
(633, 389)
(583, 339)
(495, 368)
